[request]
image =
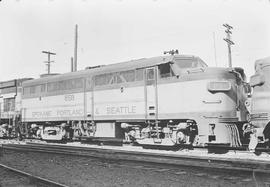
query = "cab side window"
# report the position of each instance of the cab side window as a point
(150, 74)
(165, 70)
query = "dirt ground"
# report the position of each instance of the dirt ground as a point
(84, 171)
(9, 179)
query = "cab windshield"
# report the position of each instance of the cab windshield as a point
(186, 63)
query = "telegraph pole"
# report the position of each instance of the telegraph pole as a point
(72, 64)
(229, 42)
(48, 63)
(75, 48)
(215, 50)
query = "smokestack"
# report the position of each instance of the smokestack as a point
(72, 65)
(75, 48)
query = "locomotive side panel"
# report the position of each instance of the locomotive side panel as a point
(119, 103)
(53, 108)
(192, 97)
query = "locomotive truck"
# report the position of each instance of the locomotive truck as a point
(164, 100)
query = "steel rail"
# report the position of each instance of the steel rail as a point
(140, 156)
(33, 178)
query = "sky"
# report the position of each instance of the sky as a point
(112, 31)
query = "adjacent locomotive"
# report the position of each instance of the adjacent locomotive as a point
(166, 100)
(259, 105)
(10, 106)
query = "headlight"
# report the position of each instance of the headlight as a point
(219, 86)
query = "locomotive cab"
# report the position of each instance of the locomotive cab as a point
(193, 104)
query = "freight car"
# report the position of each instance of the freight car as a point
(165, 100)
(259, 105)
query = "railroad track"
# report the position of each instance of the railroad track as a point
(261, 166)
(32, 179)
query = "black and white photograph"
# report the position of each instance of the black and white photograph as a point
(134, 93)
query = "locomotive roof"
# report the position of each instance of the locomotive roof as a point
(122, 66)
(13, 82)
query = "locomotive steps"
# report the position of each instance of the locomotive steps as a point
(233, 160)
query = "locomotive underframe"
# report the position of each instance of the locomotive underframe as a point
(150, 132)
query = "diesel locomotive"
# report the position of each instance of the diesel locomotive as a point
(259, 105)
(166, 100)
(10, 106)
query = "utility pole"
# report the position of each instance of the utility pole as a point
(48, 63)
(215, 50)
(72, 64)
(75, 48)
(229, 42)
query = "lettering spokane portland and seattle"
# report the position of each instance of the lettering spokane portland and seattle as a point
(79, 112)
(48, 113)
